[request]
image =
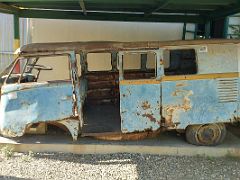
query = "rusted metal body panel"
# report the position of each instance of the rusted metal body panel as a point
(199, 102)
(140, 107)
(149, 101)
(44, 102)
(217, 58)
(210, 96)
(23, 104)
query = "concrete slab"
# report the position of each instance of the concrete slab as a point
(166, 144)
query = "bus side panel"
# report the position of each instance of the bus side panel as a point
(140, 107)
(188, 102)
(33, 103)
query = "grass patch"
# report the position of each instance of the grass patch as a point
(27, 157)
(7, 152)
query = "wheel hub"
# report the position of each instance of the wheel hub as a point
(208, 134)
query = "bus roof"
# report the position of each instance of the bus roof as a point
(108, 46)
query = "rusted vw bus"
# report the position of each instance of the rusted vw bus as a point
(150, 87)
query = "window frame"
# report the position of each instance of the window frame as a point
(37, 57)
(180, 48)
(121, 63)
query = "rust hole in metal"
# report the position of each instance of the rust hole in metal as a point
(146, 105)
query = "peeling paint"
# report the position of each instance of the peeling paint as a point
(150, 117)
(181, 84)
(141, 107)
(172, 111)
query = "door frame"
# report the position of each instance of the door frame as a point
(151, 114)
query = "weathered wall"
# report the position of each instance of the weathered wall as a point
(72, 30)
(7, 37)
(6, 40)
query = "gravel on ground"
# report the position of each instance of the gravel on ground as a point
(116, 166)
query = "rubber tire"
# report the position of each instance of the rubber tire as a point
(191, 133)
(192, 130)
(223, 133)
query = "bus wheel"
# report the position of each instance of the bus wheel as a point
(207, 134)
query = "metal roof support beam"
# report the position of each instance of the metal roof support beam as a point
(82, 5)
(217, 2)
(161, 5)
(92, 1)
(218, 14)
(8, 9)
(109, 16)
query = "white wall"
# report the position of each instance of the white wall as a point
(74, 30)
(6, 40)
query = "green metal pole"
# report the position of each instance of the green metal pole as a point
(16, 27)
(16, 39)
(195, 30)
(225, 30)
(184, 31)
(207, 30)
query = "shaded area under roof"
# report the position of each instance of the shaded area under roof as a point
(195, 11)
